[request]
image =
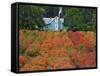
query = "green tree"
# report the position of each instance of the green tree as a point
(84, 19)
(73, 17)
(30, 17)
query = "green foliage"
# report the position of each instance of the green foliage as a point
(21, 49)
(73, 17)
(33, 53)
(69, 49)
(83, 19)
(30, 17)
(80, 48)
(26, 33)
(65, 28)
(34, 35)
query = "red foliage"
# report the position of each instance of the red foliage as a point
(57, 50)
(22, 60)
(87, 60)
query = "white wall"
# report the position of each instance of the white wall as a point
(5, 24)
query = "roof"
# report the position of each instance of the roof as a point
(49, 20)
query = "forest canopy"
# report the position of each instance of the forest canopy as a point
(31, 17)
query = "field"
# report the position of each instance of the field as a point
(40, 50)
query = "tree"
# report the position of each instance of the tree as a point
(30, 17)
(83, 19)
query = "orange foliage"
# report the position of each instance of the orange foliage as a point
(56, 50)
